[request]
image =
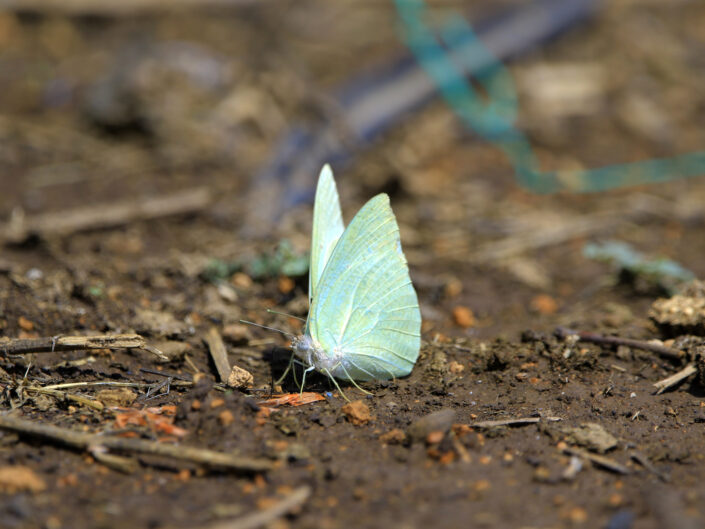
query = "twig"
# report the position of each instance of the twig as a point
(218, 353)
(574, 467)
(602, 461)
(122, 464)
(190, 363)
(600, 339)
(523, 242)
(61, 395)
(87, 384)
(122, 8)
(648, 465)
(17, 346)
(175, 376)
(669, 382)
(514, 422)
(107, 215)
(85, 441)
(269, 515)
(181, 383)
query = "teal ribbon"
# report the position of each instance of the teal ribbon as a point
(492, 115)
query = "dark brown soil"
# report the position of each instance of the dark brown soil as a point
(474, 240)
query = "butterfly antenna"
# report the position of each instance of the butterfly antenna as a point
(268, 328)
(285, 314)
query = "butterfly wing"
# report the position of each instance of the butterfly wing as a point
(327, 227)
(365, 307)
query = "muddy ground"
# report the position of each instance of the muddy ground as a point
(95, 113)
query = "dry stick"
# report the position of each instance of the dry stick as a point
(17, 346)
(85, 401)
(108, 215)
(669, 382)
(126, 465)
(523, 242)
(644, 462)
(267, 516)
(86, 441)
(122, 8)
(87, 384)
(602, 461)
(600, 339)
(218, 353)
(514, 422)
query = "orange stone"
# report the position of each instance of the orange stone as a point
(357, 412)
(544, 304)
(463, 316)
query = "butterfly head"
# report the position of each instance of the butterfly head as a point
(312, 353)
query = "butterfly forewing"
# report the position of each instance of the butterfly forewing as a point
(365, 305)
(327, 227)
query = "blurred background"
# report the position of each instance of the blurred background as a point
(197, 129)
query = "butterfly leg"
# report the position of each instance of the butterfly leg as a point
(303, 380)
(352, 381)
(286, 371)
(335, 383)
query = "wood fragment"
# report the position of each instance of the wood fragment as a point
(601, 461)
(267, 516)
(84, 441)
(574, 467)
(218, 353)
(551, 236)
(61, 395)
(648, 465)
(17, 346)
(116, 384)
(122, 8)
(675, 379)
(126, 465)
(110, 215)
(514, 422)
(600, 339)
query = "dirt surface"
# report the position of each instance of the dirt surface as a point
(103, 111)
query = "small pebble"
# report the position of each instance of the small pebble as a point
(25, 324)
(240, 378)
(393, 437)
(463, 317)
(357, 412)
(226, 417)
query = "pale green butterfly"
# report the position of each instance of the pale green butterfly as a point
(364, 321)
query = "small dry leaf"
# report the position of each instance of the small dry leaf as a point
(159, 420)
(291, 399)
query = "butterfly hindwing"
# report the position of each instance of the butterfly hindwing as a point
(327, 227)
(364, 305)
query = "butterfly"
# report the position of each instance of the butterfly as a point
(364, 321)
